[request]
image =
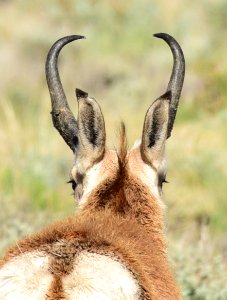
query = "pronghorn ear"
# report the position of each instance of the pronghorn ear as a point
(91, 129)
(155, 130)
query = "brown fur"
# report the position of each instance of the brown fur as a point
(56, 290)
(120, 219)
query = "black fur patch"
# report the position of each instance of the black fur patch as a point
(154, 129)
(81, 94)
(89, 127)
(156, 126)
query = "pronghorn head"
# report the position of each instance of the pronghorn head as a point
(86, 136)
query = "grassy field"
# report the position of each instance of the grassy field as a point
(125, 69)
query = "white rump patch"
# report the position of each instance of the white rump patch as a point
(25, 277)
(100, 277)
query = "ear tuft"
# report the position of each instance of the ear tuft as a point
(81, 94)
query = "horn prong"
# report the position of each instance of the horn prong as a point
(63, 118)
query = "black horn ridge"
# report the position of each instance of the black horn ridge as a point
(63, 118)
(177, 77)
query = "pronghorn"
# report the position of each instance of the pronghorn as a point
(114, 247)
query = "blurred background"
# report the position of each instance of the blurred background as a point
(125, 69)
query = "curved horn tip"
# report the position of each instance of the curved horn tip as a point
(67, 39)
(81, 94)
(157, 34)
(162, 35)
(72, 37)
(79, 36)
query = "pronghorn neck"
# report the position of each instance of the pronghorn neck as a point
(126, 185)
(127, 195)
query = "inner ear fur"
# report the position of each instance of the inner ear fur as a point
(91, 129)
(155, 130)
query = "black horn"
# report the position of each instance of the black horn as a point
(63, 119)
(177, 77)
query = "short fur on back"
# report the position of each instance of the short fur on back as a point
(120, 219)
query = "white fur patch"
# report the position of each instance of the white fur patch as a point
(25, 277)
(146, 174)
(149, 177)
(136, 144)
(100, 277)
(93, 178)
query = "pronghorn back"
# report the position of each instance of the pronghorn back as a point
(105, 255)
(114, 247)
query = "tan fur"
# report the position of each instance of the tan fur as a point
(120, 219)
